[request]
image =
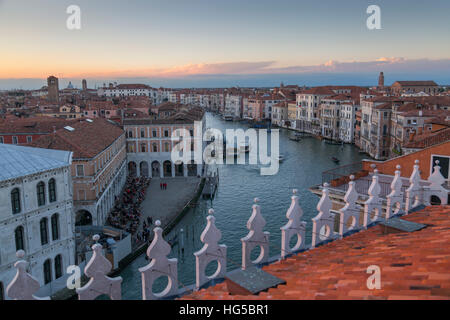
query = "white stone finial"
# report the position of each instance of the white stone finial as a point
(159, 266)
(294, 227)
(398, 167)
(211, 251)
(256, 200)
(395, 198)
(256, 237)
(414, 193)
(96, 237)
(436, 189)
(157, 223)
(323, 223)
(97, 269)
(24, 285)
(20, 254)
(211, 211)
(349, 214)
(373, 206)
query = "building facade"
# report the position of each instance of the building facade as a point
(36, 214)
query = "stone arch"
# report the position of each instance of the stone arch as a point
(192, 169)
(156, 168)
(167, 168)
(179, 169)
(143, 167)
(132, 169)
(435, 200)
(83, 218)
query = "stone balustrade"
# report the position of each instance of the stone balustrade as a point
(24, 285)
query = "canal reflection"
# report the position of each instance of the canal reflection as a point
(304, 161)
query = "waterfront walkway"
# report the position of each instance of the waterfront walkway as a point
(165, 205)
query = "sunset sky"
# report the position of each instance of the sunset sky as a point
(171, 41)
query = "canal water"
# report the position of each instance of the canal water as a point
(238, 186)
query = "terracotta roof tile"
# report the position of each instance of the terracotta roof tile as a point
(413, 266)
(86, 141)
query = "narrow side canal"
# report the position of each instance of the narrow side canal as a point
(304, 162)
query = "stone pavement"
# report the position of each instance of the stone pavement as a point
(165, 205)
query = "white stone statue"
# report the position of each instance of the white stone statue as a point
(159, 266)
(99, 284)
(256, 237)
(323, 223)
(373, 206)
(395, 203)
(24, 285)
(414, 193)
(349, 214)
(211, 251)
(294, 227)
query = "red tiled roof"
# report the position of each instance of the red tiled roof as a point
(35, 125)
(416, 83)
(413, 266)
(430, 139)
(87, 140)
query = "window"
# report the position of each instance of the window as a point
(2, 294)
(44, 231)
(130, 134)
(155, 133)
(15, 200)
(166, 133)
(155, 148)
(80, 170)
(40, 190)
(143, 147)
(166, 147)
(55, 227)
(142, 133)
(47, 271)
(1, 140)
(15, 140)
(58, 266)
(29, 139)
(19, 237)
(52, 190)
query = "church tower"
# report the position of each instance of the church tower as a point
(381, 80)
(53, 89)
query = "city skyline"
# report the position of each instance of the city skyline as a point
(244, 43)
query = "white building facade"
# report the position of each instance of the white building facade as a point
(36, 215)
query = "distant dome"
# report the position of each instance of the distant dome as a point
(70, 86)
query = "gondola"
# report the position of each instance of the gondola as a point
(335, 160)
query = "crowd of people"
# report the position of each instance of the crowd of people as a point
(126, 213)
